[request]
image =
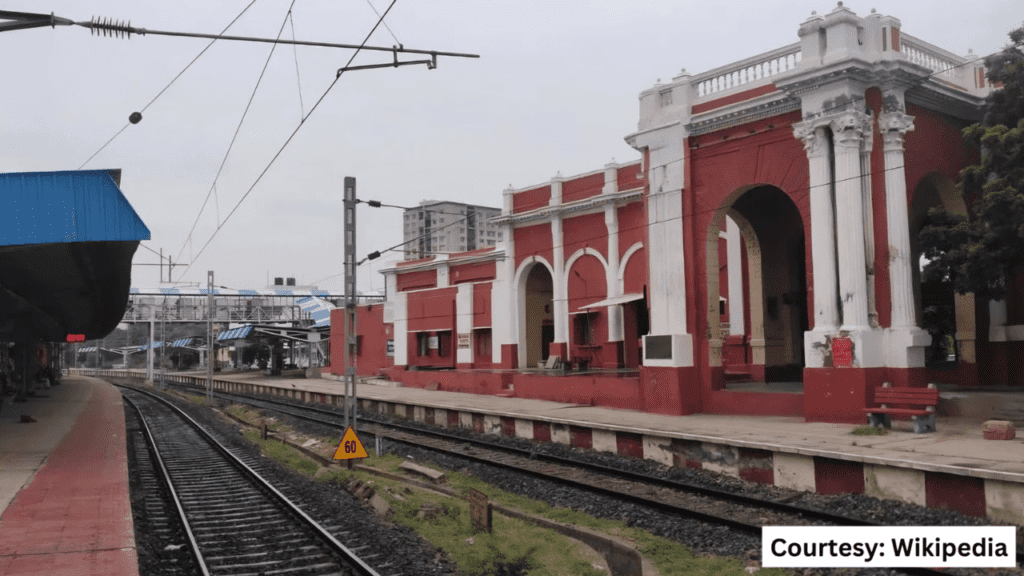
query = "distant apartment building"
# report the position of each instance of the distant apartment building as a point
(436, 227)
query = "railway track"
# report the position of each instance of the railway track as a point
(739, 512)
(236, 521)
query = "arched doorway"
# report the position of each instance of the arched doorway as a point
(538, 328)
(775, 288)
(947, 316)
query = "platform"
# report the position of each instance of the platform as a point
(64, 496)
(954, 467)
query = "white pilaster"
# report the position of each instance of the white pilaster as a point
(504, 300)
(611, 222)
(401, 311)
(464, 322)
(560, 307)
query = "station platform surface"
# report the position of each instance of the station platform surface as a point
(957, 446)
(954, 467)
(64, 495)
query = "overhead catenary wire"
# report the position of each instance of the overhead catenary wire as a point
(285, 145)
(173, 80)
(245, 113)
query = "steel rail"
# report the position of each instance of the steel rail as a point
(151, 441)
(339, 548)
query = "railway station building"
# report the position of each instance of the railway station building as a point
(759, 257)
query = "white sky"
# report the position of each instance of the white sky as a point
(555, 90)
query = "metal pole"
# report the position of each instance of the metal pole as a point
(350, 301)
(209, 336)
(163, 334)
(149, 347)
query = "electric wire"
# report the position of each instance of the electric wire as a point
(245, 113)
(203, 51)
(796, 195)
(298, 80)
(385, 24)
(285, 145)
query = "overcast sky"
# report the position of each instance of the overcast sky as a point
(555, 90)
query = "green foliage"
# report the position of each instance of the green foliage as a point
(979, 254)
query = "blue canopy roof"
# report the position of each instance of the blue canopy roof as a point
(69, 206)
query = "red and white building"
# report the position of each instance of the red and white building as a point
(767, 234)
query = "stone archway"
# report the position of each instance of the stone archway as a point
(938, 190)
(772, 231)
(535, 293)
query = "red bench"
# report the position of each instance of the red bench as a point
(918, 403)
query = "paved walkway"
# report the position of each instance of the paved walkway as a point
(64, 484)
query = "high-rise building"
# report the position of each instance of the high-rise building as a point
(436, 227)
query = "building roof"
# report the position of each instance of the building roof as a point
(69, 206)
(66, 245)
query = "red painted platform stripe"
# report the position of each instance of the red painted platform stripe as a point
(961, 493)
(757, 466)
(629, 444)
(838, 476)
(580, 437)
(75, 517)
(684, 454)
(542, 432)
(453, 418)
(428, 416)
(508, 426)
(478, 423)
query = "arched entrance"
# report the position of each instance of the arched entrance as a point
(775, 289)
(947, 316)
(537, 321)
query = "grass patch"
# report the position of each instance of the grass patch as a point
(284, 454)
(518, 541)
(869, 431)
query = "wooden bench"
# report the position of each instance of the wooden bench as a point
(918, 403)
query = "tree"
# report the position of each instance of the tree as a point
(982, 253)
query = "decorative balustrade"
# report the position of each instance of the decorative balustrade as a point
(747, 71)
(943, 64)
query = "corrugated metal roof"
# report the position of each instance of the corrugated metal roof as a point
(69, 206)
(319, 310)
(235, 333)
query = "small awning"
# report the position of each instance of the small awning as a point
(235, 333)
(182, 342)
(613, 301)
(87, 349)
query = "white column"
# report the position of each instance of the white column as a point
(906, 342)
(823, 238)
(735, 264)
(893, 126)
(848, 130)
(560, 307)
(611, 222)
